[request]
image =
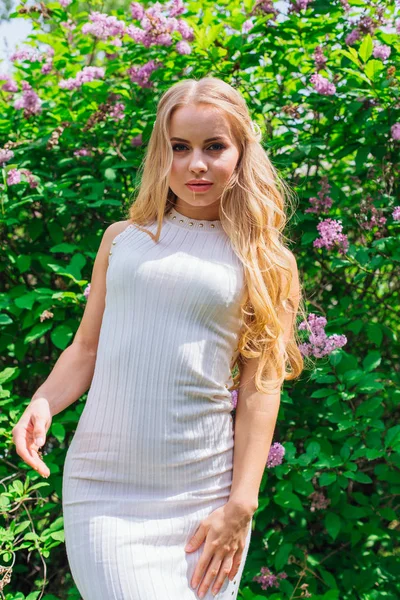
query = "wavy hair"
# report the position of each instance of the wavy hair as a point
(252, 212)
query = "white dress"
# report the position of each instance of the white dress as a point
(152, 454)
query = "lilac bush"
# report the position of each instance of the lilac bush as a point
(322, 82)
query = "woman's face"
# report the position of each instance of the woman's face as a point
(202, 148)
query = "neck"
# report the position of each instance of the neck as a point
(205, 213)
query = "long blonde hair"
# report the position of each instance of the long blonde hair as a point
(253, 215)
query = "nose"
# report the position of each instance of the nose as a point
(197, 162)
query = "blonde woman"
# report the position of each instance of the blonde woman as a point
(197, 280)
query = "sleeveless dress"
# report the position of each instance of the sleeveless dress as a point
(152, 454)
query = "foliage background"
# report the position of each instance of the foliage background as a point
(326, 526)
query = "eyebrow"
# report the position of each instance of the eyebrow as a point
(218, 137)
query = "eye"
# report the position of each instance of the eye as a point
(183, 145)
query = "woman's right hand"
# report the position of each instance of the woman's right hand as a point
(29, 434)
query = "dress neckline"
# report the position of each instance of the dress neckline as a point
(177, 218)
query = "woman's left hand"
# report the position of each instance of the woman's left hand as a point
(224, 532)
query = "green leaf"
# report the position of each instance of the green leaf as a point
(288, 500)
(58, 430)
(373, 68)
(366, 48)
(37, 332)
(372, 360)
(332, 524)
(110, 174)
(61, 336)
(374, 333)
(327, 478)
(392, 438)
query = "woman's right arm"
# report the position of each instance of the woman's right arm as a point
(72, 374)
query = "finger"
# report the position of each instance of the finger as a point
(235, 565)
(210, 575)
(39, 430)
(28, 454)
(200, 569)
(223, 573)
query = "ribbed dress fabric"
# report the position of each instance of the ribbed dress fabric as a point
(152, 454)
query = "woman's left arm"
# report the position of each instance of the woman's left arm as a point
(255, 419)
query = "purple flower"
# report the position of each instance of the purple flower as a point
(322, 85)
(234, 398)
(353, 37)
(318, 501)
(10, 85)
(267, 579)
(29, 102)
(137, 11)
(183, 47)
(156, 26)
(141, 75)
(381, 51)
(395, 131)
(117, 111)
(137, 140)
(87, 74)
(319, 343)
(276, 454)
(83, 152)
(5, 156)
(323, 202)
(331, 234)
(396, 213)
(31, 55)
(319, 58)
(175, 8)
(103, 26)
(298, 5)
(247, 26)
(65, 3)
(87, 291)
(13, 177)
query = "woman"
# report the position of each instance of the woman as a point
(197, 280)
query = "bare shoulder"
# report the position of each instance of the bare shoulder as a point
(116, 228)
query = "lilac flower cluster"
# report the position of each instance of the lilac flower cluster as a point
(103, 26)
(319, 501)
(10, 85)
(322, 85)
(275, 455)
(319, 58)
(65, 3)
(331, 234)
(370, 217)
(29, 54)
(83, 76)
(234, 398)
(298, 5)
(87, 291)
(14, 177)
(267, 579)
(319, 343)
(137, 140)
(353, 37)
(381, 51)
(83, 152)
(395, 131)
(396, 213)
(117, 111)
(48, 64)
(156, 27)
(5, 156)
(324, 202)
(141, 75)
(29, 102)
